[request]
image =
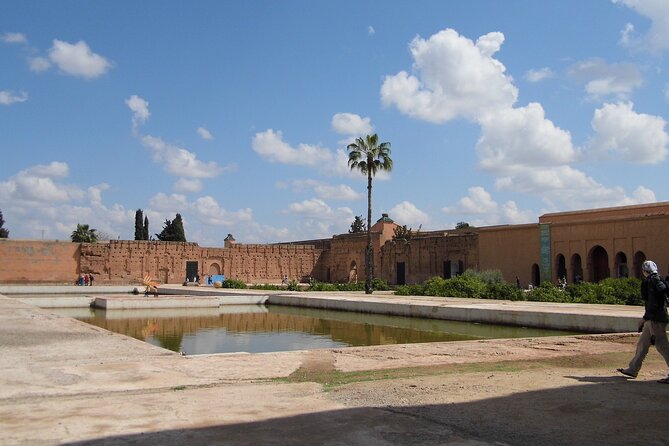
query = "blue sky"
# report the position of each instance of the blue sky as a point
(237, 114)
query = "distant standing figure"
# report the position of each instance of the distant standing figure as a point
(653, 326)
(85, 279)
(517, 282)
(91, 278)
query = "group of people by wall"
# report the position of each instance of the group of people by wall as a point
(85, 280)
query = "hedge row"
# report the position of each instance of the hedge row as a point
(489, 285)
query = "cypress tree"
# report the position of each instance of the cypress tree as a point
(145, 229)
(139, 228)
(179, 232)
(4, 233)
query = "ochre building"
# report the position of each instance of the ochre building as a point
(585, 245)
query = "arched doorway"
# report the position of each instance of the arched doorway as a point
(598, 260)
(561, 264)
(639, 258)
(576, 268)
(536, 276)
(214, 269)
(353, 272)
(621, 265)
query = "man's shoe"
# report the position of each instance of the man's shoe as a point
(626, 372)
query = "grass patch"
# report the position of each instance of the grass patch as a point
(332, 379)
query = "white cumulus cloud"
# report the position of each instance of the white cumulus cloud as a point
(14, 38)
(10, 97)
(178, 161)
(486, 211)
(139, 108)
(453, 77)
(271, 146)
(78, 59)
(38, 64)
(408, 214)
(602, 79)
(351, 124)
(186, 185)
(522, 138)
(204, 133)
(657, 11)
(40, 184)
(539, 75)
(637, 137)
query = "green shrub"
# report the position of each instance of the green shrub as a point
(380, 284)
(488, 276)
(504, 291)
(233, 283)
(292, 286)
(548, 292)
(410, 290)
(323, 286)
(461, 286)
(626, 291)
(266, 286)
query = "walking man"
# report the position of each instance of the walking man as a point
(653, 326)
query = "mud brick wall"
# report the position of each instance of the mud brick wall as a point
(426, 256)
(128, 261)
(38, 261)
(267, 263)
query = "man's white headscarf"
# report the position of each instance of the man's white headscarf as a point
(649, 266)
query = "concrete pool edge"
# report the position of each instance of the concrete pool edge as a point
(590, 318)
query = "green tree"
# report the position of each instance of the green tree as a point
(4, 233)
(84, 234)
(357, 226)
(173, 231)
(402, 232)
(145, 229)
(139, 225)
(369, 157)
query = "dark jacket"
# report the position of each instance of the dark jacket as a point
(653, 293)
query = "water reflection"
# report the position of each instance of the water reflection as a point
(258, 328)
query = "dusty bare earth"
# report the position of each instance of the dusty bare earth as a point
(65, 382)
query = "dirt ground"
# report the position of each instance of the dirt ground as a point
(65, 382)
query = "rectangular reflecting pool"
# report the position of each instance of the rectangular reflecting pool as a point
(259, 328)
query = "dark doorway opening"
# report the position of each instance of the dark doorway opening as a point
(401, 271)
(576, 268)
(599, 264)
(561, 267)
(191, 271)
(536, 275)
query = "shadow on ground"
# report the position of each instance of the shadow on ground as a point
(594, 411)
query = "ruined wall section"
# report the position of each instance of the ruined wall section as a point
(266, 263)
(426, 256)
(128, 261)
(38, 261)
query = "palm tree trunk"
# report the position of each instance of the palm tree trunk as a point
(369, 254)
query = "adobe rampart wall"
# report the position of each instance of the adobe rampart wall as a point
(38, 261)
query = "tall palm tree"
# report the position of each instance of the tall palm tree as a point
(83, 234)
(369, 157)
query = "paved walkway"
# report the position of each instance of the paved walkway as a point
(66, 382)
